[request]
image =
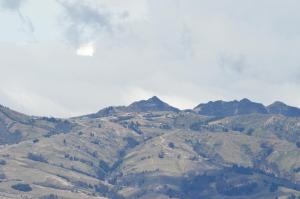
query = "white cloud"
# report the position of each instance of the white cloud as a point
(185, 52)
(86, 50)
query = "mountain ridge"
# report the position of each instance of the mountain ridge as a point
(151, 150)
(245, 106)
(217, 108)
(151, 104)
(283, 109)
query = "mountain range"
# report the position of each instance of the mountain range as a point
(245, 106)
(150, 149)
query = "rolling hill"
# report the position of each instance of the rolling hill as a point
(149, 149)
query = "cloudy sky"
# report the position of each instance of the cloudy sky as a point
(70, 57)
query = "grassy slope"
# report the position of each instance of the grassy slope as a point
(156, 156)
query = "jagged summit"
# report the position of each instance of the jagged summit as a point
(283, 109)
(222, 108)
(152, 104)
(154, 99)
(108, 111)
(217, 108)
(245, 100)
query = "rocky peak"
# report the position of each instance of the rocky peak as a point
(152, 104)
(283, 109)
(223, 109)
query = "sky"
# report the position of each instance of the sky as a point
(65, 58)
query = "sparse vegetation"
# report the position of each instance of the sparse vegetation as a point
(22, 187)
(2, 162)
(37, 157)
(131, 142)
(171, 145)
(51, 196)
(135, 126)
(161, 154)
(250, 131)
(2, 176)
(96, 141)
(152, 155)
(35, 140)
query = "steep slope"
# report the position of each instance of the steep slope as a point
(283, 109)
(156, 155)
(145, 153)
(73, 165)
(224, 109)
(16, 127)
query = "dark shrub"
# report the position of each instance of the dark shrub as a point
(273, 187)
(36, 157)
(104, 166)
(95, 154)
(250, 131)
(165, 126)
(2, 176)
(131, 142)
(60, 127)
(238, 128)
(292, 196)
(135, 126)
(171, 145)
(103, 169)
(35, 141)
(22, 187)
(242, 170)
(51, 119)
(63, 126)
(161, 154)
(197, 183)
(100, 174)
(2, 162)
(197, 126)
(296, 170)
(96, 141)
(228, 189)
(51, 196)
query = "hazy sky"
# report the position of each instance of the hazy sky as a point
(71, 57)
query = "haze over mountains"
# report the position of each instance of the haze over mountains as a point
(149, 149)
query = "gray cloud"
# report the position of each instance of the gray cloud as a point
(27, 23)
(15, 6)
(231, 63)
(234, 49)
(11, 4)
(84, 22)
